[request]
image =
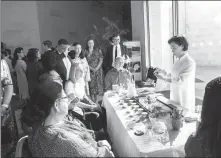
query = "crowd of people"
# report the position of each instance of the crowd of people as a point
(58, 92)
(79, 75)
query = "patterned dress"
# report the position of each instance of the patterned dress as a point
(97, 83)
(8, 128)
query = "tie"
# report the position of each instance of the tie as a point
(115, 51)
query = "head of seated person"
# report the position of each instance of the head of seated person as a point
(49, 62)
(119, 63)
(207, 139)
(117, 75)
(55, 136)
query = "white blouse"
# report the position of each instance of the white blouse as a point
(182, 89)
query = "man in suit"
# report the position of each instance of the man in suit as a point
(114, 50)
(63, 65)
(47, 46)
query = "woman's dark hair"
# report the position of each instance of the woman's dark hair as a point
(16, 52)
(8, 51)
(49, 60)
(32, 54)
(87, 47)
(41, 101)
(72, 53)
(179, 40)
(211, 116)
(75, 43)
(62, 41)
(4, 53)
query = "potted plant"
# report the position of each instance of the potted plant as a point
(177, 119)
(102, 35)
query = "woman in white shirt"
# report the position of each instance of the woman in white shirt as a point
(182, 76)
(77, 56)
(74, 88)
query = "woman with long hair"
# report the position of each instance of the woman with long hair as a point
(206, 142)
(95, 59)
(55, 136)
(78, 56)
(34, 68)
(20, 68)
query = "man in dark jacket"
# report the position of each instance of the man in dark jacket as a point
(116, 49)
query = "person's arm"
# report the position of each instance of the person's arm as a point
(87, 73)
(24, 66)
(70, 93)
(85, 106)
(107, 82)
(8, 91)
(89, 100)
(186, 72)
(7, 84)
(100, 60)
(92, 69)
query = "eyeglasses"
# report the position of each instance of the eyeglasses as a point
(63, 98)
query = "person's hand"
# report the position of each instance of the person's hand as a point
(71, 96)
(4, 109)
(93, 106)
(92, 69)
(159, 77)
(95, 70)
(104, 143)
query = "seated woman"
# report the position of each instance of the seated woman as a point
(74, 88)
(55, 136)
(206, 142)
(49, 63)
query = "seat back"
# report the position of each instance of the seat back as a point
(22, 149)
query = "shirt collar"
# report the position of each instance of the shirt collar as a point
(183, 57)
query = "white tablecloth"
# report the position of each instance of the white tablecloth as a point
(126, 144)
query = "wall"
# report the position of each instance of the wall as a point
(19, 24)
(36, 21)
(140, 31)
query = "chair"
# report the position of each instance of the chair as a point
(22, 148)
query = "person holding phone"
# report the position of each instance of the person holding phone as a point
(182, 77)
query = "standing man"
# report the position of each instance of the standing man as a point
(64, 63)
(47, 45)
(116, 49)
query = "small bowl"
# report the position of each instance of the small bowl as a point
(127, 112)
(130, 101)
(133, 103)
(135, 107)
(144, 114)
(131, 116)
(124, 105)
(139, 110)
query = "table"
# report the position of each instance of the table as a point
(126, 144)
